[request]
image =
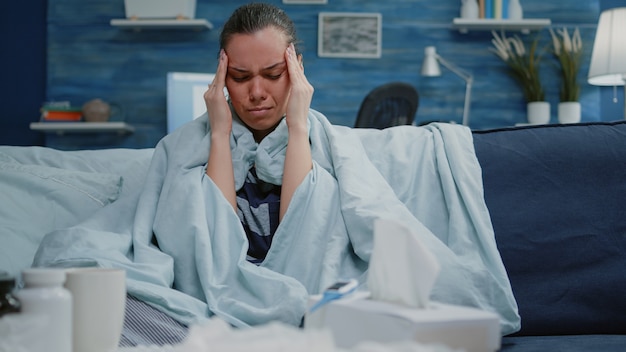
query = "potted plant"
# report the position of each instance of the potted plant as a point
(568, 52)
(524, 65)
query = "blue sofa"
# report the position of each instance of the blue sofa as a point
(556, 196)
(557, 200)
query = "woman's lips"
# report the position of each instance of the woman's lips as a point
(259, 111)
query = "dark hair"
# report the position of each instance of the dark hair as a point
(253, 17)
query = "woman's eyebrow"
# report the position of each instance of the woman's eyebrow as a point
(241, 70)
(268, 68)
(276, 65)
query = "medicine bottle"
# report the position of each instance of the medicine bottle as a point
(8, 302)
(43, 294)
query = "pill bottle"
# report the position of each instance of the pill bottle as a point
(43, 294)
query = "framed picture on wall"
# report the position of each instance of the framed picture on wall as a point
(349, 34)
(305, 1)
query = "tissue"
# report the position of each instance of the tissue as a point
(217, 335)
(401, 270)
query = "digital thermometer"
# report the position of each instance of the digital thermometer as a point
(336, 291)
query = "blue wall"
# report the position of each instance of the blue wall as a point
(87, 58)
(23, 63)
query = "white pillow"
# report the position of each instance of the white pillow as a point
(35, 200)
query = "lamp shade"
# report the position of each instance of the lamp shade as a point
(430, 66)
(608, 59)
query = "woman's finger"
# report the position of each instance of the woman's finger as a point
(216, 88)
(220, 117)
(301, 91)
(296, 71)
(220, 74)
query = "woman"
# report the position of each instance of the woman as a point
(264, 87)
(264, 76)
(307, 192)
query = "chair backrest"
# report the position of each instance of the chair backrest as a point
(391, 104)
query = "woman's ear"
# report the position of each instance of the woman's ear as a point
(300, 60)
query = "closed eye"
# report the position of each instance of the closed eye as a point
(274, 77)
(239, 78)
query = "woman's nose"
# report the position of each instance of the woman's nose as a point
(257, 89)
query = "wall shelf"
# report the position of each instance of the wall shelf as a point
(487, 24)
(150, 24)
(82, 127)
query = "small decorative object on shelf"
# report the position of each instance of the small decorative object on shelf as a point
(96, 110)
(161, 14)
(160, 9)
(469, 9)
(524, 67)
(515, 11)
(568, 52)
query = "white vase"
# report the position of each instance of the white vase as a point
(538, 112)
(515, 11)
(569, 112)
(469, 9)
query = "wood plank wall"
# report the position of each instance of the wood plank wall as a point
(87, 58)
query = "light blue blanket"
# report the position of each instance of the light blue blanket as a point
(184, 248)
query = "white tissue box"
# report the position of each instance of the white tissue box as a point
(160, 8)
(358, 319)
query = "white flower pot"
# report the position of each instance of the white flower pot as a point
(538, 112)
(569, 112)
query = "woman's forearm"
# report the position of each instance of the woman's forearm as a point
(298, 163)
(220, 167)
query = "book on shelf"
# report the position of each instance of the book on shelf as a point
(61, 113)
(497, 9)
(493, 9)
(488, 9)
(481, 8)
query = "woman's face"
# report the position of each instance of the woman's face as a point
(257, 78)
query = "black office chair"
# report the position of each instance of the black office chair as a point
(391, 104)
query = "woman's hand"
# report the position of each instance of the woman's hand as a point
(301, 91)
(220, 117)
(298, 161)
(220, 164)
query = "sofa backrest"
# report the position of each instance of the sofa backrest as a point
(557, 199)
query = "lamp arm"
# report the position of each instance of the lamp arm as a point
(468, 99)
(456, 69)
(468, 78)
(624, 79)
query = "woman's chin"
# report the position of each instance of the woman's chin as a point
(265, 124)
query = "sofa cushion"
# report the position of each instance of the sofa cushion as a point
(557, 199)
(570, 343)
(38, 199)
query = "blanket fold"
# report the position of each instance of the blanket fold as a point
(184, 248)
